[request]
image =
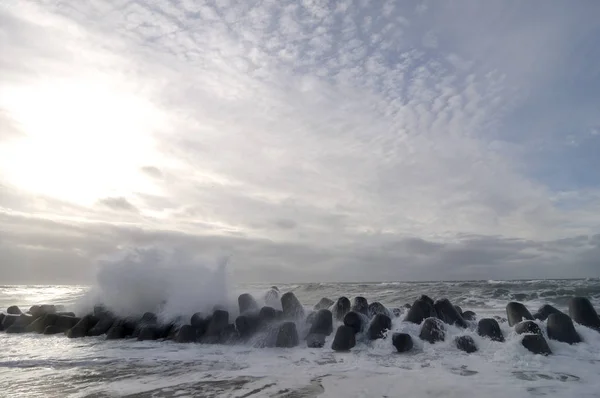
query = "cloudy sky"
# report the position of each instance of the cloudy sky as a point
(304, 140)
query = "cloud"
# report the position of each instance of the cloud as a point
(152, 171)
(365, 140)
(118, 204)
(70, 252)
(286, 224)
(9, 129)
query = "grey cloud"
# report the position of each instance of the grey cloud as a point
(152, 171)
(20, 230)
(417, 246)
(22, 201)
(234, 206)
(468, 254)
(34, 265)
(576, 241)
(71, 247)
(119, 204)
(589, 259)
(286, 224)
(156, 202)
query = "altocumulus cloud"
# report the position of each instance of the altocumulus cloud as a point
(347, 140)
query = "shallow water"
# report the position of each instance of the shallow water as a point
(54, 366)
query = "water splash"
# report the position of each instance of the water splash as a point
(169, 283)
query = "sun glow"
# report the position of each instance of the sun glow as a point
(83, 139)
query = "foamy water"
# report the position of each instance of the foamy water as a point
(54, 366)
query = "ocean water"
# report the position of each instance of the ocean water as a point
(55, 366)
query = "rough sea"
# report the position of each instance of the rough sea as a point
(34, 365)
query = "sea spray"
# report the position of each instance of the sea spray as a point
(169, 283)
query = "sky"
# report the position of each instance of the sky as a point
(347, 140)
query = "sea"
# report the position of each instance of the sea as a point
(54, 366)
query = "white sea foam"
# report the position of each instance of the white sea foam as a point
(51, 365)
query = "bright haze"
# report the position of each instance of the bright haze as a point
(302, 140)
